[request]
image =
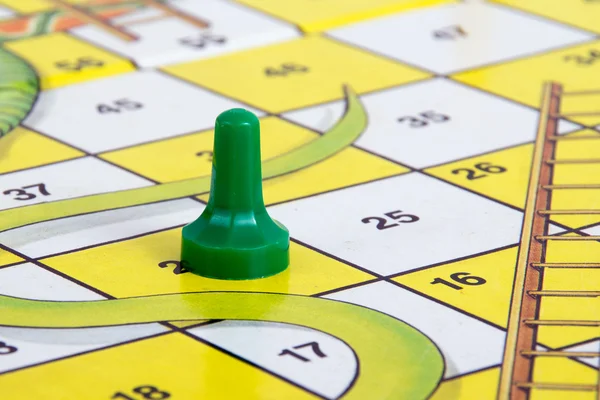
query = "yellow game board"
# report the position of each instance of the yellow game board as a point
(436, 163)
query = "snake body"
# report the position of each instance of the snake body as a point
(19, 86)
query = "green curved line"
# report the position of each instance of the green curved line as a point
(19, 87)
(396, 360)
(341, 135)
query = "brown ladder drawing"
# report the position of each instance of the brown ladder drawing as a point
(118, 30)
(520, 351)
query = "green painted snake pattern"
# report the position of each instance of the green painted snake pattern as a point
(19, 86)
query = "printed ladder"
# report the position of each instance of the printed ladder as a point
(520, 351)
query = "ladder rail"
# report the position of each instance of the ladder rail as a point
(520, 351)
(118, 30)
(517, 368)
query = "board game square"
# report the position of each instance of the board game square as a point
(191, 156)
(8, 258)
(152, 261)
(400, 223)
(286, 350)
(332, 13)
(24, 148)
(60, 59)
(125, 110)
(69, 179)
(480, 285)
(582, 14)
(296, 73)
(425, 123)
(481, 384)
(521, 80)
(201, 372)
(69, 234)
(218, 27)
(31, 346)
(454, 37)
(448, 329)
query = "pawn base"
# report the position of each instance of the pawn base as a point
(241, 255)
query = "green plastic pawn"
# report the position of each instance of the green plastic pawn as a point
(235, 238)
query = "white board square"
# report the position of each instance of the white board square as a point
(125, 110)
(451, 223)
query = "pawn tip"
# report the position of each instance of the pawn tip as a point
(237, 116)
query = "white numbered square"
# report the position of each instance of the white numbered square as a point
(401, 223)
(125, 110)
(64, 180)
(21, 347)
(312, 359)
(467, 344)
(67, 234)
(200, 29)
(433, 122)
(455, 37)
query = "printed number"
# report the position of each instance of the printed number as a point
(144, 392)
(589, 59)
(79, 64)
(394, 215)
(423, 119)
(6, 349)
(461, 277)
(22, 194)
(208, 154)
(485, 167)
(450, 32)
(314, 346)
(202, 40)
(179, 269)
(119, 105)
(285, 69)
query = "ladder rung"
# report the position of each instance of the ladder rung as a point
(102, 23)
(568, 212)
(564, 293)
(559, 322)
(556, 386)
(559, 353)
(197, 22)
(144, 20)
(565, 265)
(577, 114)
(573, 137)
(567, 238)
(580, 92)
(575, 161)
(572, 186)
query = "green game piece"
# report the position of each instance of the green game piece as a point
(235, 238)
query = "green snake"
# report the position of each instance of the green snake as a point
(396, 361)
(19, 86)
